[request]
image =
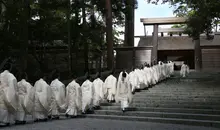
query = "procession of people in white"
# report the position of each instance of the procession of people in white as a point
(43, 101)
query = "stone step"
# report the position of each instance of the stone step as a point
(191, 106)
(142, 99)
(160, 109)
(181, 93)
(159, 120)
(182, 90)
(160, 114)
(175, 94)
(203, 101)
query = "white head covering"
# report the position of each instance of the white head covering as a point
(119, 97)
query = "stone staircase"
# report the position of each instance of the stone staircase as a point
(194, 100)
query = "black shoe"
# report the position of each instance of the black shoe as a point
(49, 117)
(83, 112)
(24, 122)
(67, 115)
(18, 122)
(7, 124)
(73, 116)
(98, 107)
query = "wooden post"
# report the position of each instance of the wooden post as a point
(145, 33)
(198, 55)
(155, 44)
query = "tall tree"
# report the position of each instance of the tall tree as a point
(109, 37)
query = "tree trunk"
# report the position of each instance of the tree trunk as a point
(86, 48)
(109, 35)
(76, 34)
(24, 35)
(69, 39)
(126, 32)
(198, 55)
(129, 23)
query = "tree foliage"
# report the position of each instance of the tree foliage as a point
(201, 14)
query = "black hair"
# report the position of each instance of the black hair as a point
(7, 66)
(112, 72)
(98, 75)
(73, 75)
(124, 74)
(56, 75)
(23, 76)
(141, 67)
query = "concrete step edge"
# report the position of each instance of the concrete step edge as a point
(160, 120)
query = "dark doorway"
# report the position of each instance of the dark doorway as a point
(178, 56)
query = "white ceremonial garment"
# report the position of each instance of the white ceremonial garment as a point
(26, 93)
(87, 95)
(110, 85)
(73, 99)
(155, 74)
(183, 70)
(123, 94)
(8, 97)
(133, 79)
(148, 75)
(58, 104)
(98, 95)
(43, 100)
(141, 78)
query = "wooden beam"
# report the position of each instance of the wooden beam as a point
(168, 30)
(163, 21)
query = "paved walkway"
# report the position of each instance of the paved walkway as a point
(95, 124)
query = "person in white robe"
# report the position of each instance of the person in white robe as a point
(124, 94)
(98, 94)
(87, 96)
(110, 86)
(184, 70)
(58, 89)
(8, 97)
(43, 100)
(73, 98)
(141, 78)
(133, 79)
(148, 74)
(26, 97)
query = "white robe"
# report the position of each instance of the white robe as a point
(110, 85)
(87, 95)
(141, 79)
(148, 75)
(123, 95)
(184, 70)
(73, 99)
(43, 99)
(98, 91)
(8, 97)
(26, 95)
(133, 79)
(58, 89)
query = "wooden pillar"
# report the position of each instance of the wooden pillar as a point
(155, 45)
(145, 33)
(198, 56)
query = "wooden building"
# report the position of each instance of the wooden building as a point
(176, 48)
